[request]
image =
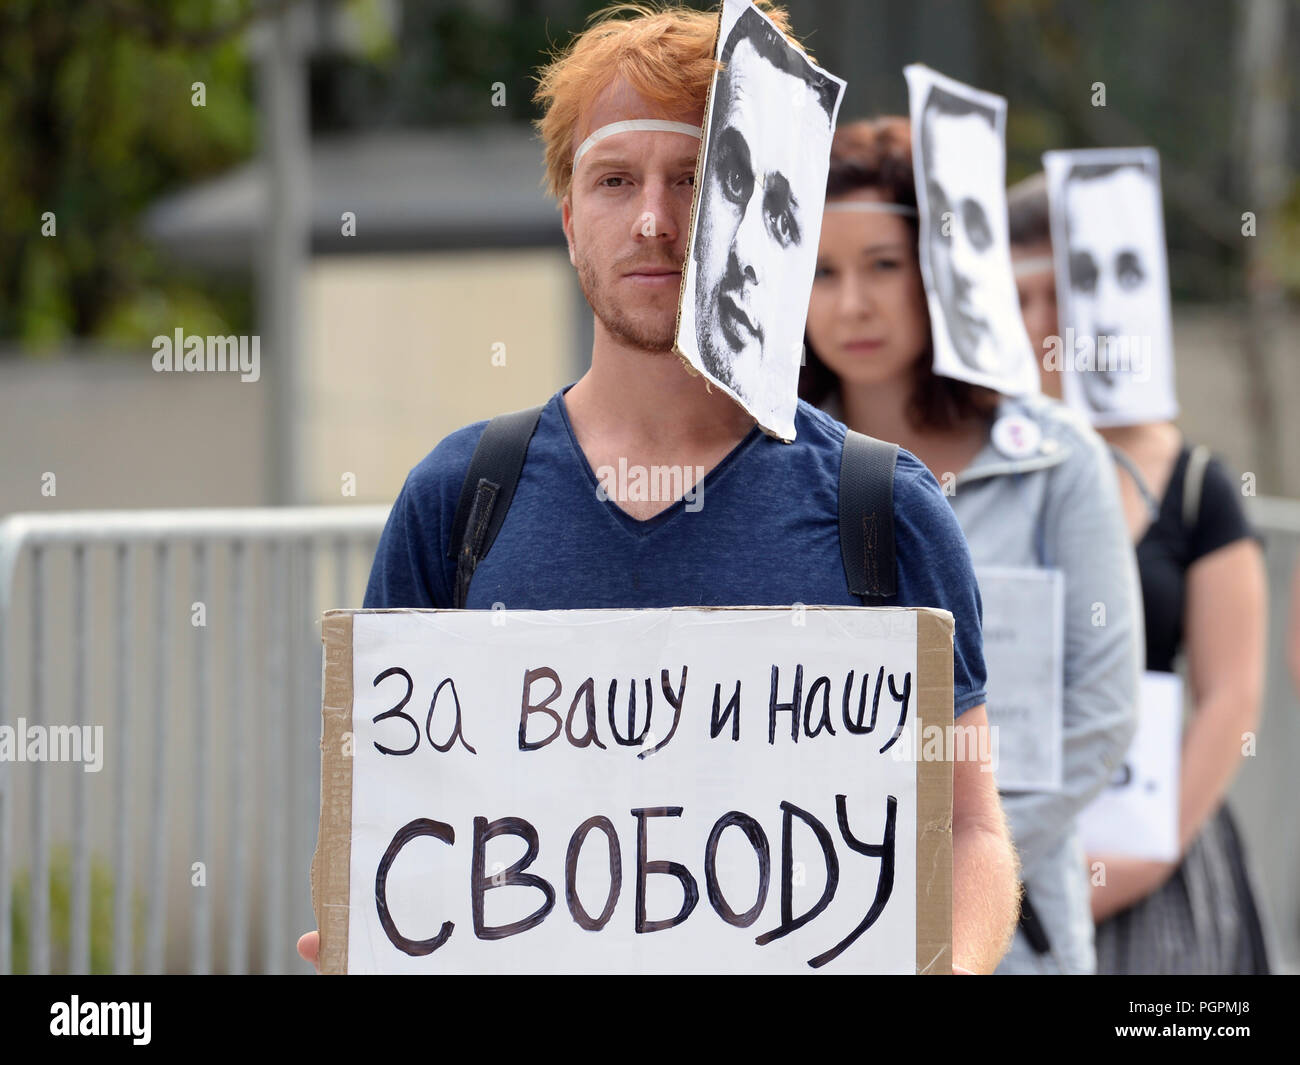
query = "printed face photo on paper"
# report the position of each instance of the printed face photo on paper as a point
(1118, 288)
(978, 331)
(761, 192)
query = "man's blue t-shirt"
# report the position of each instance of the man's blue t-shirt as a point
(762, 529)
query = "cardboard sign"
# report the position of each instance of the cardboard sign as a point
(729, 790)
(1112, 284)
(959, 161)
(756, 218)
(1137, 813)
(1024, 611)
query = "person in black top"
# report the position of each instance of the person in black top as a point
(1205, 598)
(1204, 595)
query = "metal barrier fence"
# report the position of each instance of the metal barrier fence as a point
(192, 639)
(1262, 795)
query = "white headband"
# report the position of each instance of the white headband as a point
(1034, 265)
(657, 125)
(871, 205)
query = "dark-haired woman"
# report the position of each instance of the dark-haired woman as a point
(1031, 484)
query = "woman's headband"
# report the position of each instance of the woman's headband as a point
(1036, 264)
(871, 205)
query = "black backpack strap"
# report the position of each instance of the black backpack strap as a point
(867, 516)
(486, 493)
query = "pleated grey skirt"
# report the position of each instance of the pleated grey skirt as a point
(1204, 920)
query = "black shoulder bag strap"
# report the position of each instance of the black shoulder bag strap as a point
(867, 517)
(486, 493)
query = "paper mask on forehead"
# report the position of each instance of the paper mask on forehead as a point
(1112, 285)
(959, 162)
(757, 216)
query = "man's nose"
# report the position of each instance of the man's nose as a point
(747, 248)
(964, 256)
(657, 215)
(1106, 301)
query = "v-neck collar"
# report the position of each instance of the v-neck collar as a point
(637, 526)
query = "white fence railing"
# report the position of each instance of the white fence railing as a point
(183, 647)
(191, 639)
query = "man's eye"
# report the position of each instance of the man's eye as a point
(1083, 272)
(734, 183)
(784, 228)
(978, 231)
(734, 176)
(1129, 271)
(612, 177)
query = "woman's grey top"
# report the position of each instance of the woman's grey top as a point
(1053, 501)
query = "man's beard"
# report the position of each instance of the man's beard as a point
(647, 337)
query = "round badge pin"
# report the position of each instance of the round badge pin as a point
(1016, 436)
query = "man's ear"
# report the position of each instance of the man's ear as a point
(566, 220)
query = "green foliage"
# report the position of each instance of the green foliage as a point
(97, 122)
(1283, 246)
(101, 916)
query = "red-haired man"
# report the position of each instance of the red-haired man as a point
(623, 109)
